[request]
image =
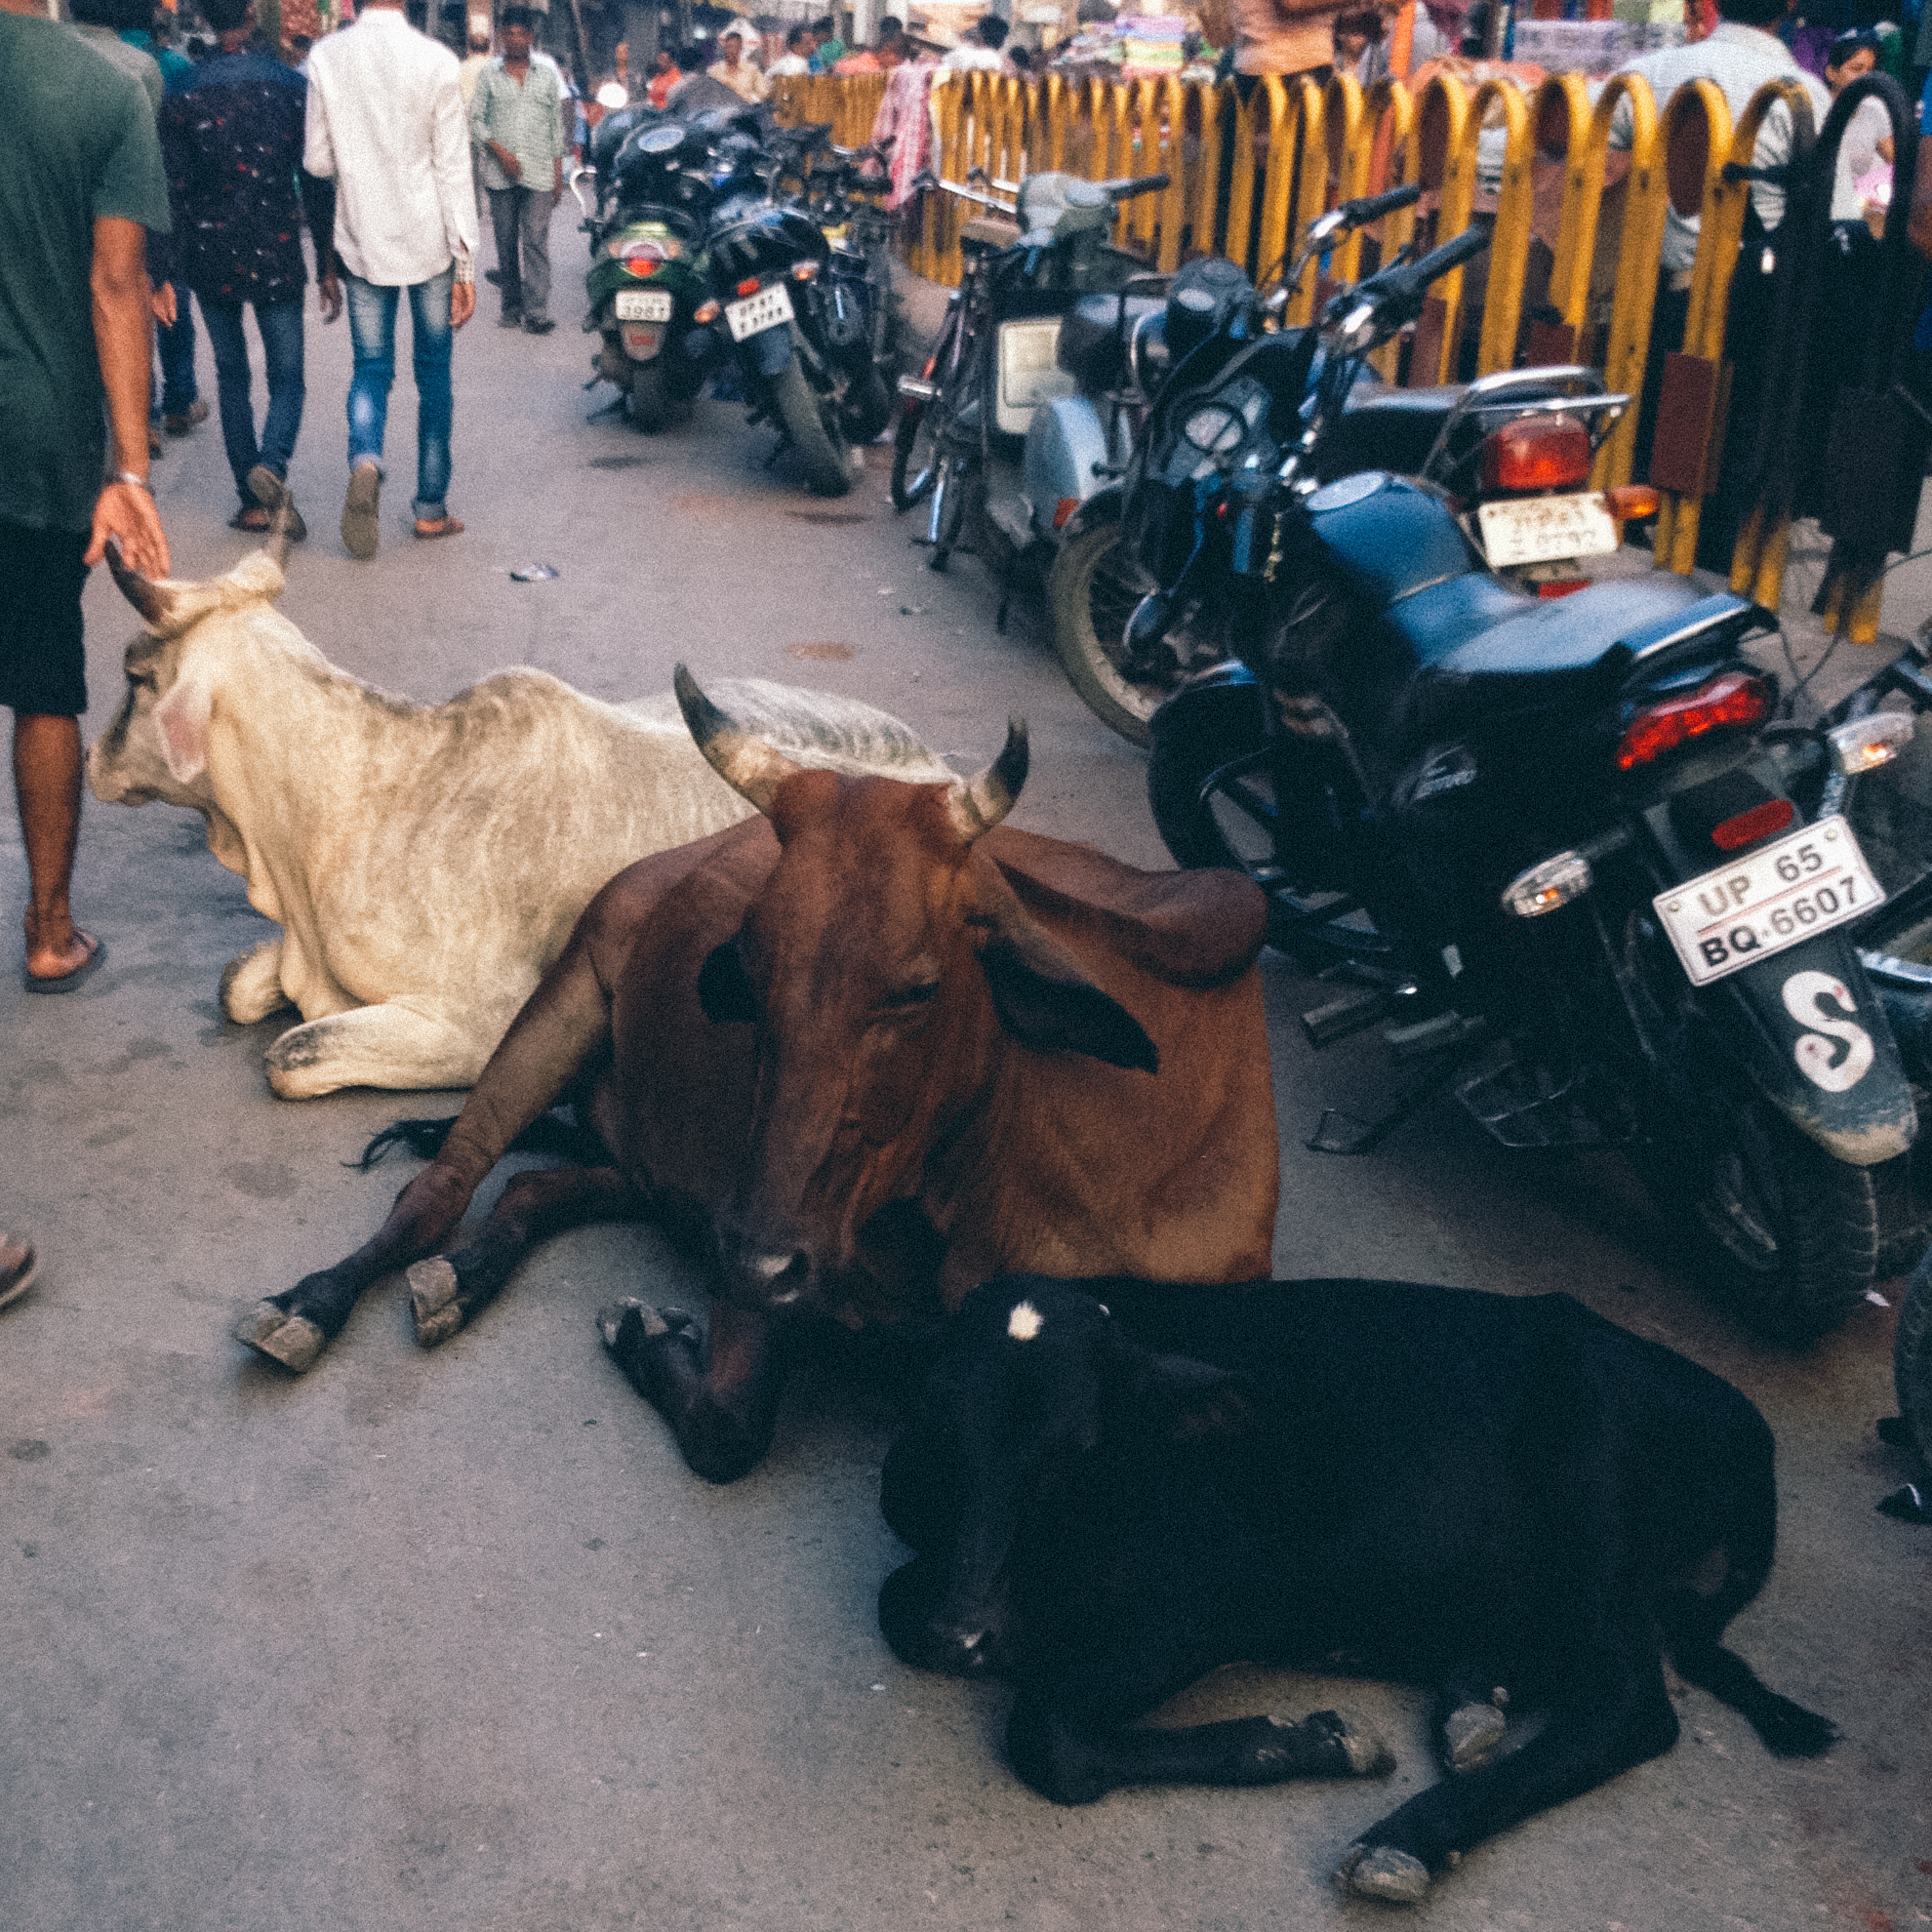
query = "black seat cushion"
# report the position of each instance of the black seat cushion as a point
(1484, 658)
(1094, 337)
(1385, 429)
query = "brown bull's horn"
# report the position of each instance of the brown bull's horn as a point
(977, 804)
(744, 761)
(147, 597)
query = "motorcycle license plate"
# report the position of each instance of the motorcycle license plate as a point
(1542, 529)
(1771, 899)
(643, 304)
(766, 310)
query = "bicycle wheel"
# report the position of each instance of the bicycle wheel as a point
(916, 454)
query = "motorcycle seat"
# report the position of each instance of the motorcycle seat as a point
(1093, 338)
(1486, 650)
(1386, 428)
(987, 234)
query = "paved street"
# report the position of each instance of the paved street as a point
(452, 1639)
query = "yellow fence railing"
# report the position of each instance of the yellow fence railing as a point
(1246, 176)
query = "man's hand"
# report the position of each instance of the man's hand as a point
(507, 161)
(462, 303)
(165, 308)
(122, 510)
(329, 291)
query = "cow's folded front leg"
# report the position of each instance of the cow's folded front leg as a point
(720, 1399)
(1469, 1721)
(392, 1045)
(1072, 1768)
(293, 1327)
(252, 985)
(447, 1290)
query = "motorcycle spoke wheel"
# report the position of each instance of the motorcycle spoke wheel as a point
(1092, 589)
(914, 456)
(811, 425)
(1785, 1233)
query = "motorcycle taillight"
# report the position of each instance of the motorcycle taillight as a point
(1729, 700)
(1536, 453)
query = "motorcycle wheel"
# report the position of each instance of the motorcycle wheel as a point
(820, 444)
(1187, 746)
(914, 456)
(650, 397)
(1787, 1235)
(1911, 1361)
(868, 406)
(1091, 589)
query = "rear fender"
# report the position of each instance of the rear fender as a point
(1067, 458)
(1808, 1029)
(769, 351)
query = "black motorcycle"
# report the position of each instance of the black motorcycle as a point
(1567, 850)
(800, 318)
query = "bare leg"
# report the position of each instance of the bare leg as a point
(721, 1403)
(47, 782)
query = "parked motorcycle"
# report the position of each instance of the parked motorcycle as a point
(800, 318)
(995, 359)
(1567, 850)
(647, 204)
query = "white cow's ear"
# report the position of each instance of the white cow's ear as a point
(182, 718)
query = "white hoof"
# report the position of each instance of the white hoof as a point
(292, 1340)
(1383, 1873)
(1472, 1735)
(432, 1290)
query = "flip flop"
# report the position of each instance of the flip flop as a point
(17, 1266)
(240, 521)
(449, 526)
(66, 982)
(362, 523)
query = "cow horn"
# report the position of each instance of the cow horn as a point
(744, 761)
(147, 597)
(977, 804)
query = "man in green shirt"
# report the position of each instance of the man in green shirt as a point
(80, 178)
(516, 121)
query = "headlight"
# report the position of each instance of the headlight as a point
(1216, 430)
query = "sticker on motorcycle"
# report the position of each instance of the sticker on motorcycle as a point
(1814, 1053)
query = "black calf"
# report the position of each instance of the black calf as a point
(1510, 1501)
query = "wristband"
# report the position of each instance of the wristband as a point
(133, 481)
(466, 271)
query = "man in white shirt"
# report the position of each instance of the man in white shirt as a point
(386, 120)
(982, 51)
(800, 44)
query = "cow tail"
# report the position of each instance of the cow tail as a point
(547, 1134)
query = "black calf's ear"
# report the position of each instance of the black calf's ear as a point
(723, 989)
(1192, 1399)
(1052, 1009)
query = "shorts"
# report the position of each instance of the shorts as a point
(43, 666)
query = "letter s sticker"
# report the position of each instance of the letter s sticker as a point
(1813, 1051)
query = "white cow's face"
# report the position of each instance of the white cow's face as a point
(148, 753)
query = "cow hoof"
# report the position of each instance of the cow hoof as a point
(652, 1323)
(1471, 1735)
(433, 1301)
(1381, 1872)
(292, 1340)
(1339, 1734)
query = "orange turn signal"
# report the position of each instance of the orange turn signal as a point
(1633, 502)
(1062, 509)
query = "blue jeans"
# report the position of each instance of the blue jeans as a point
(280, 324)
(372, 316)
(177, 346)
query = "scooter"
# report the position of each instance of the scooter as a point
(1566, 852)
(648, 206)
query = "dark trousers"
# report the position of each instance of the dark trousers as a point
(521, 218)
(280, 324)
(177, 346)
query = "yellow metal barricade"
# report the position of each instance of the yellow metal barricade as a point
(1297, 183)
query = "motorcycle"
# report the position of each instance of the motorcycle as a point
(646, 202)
(994, 364)
(1567, 850)
(800, 327)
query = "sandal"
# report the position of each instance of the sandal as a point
(250, 517)
(66, 982)
(361, 524)
(447, 525)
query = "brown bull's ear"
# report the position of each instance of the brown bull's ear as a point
(724, 990)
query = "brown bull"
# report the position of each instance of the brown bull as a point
(878, 1050)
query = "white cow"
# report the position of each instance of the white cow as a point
(425, 862)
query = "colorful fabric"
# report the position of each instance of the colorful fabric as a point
(77, 145)
(231, 138)
(904, 119)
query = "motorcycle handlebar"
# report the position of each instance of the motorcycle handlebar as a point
(1129, 186)
(1368, 208)
(1411, 283)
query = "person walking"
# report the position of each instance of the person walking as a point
(231, 138)
(734, 70)
(468, 73)
(517, 122)
(385, 123)
(80, 180)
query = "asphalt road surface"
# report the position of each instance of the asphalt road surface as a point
(453, 1639)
